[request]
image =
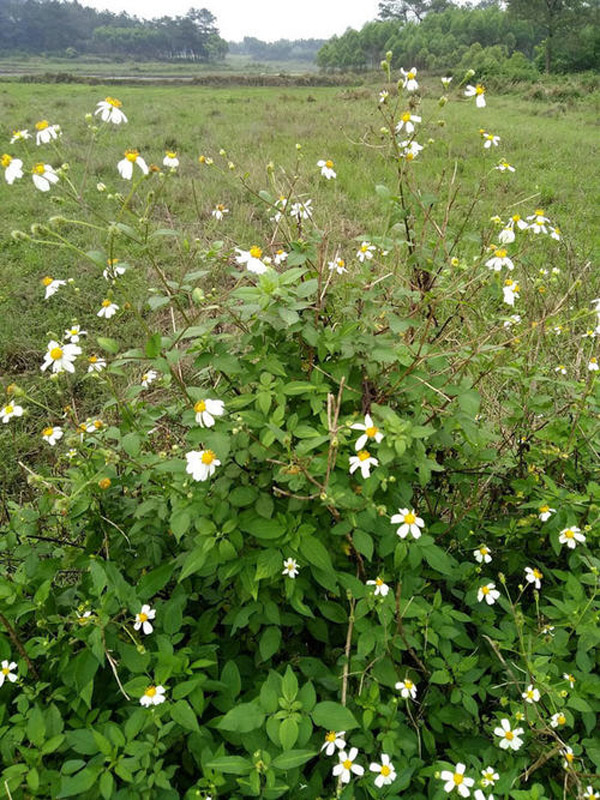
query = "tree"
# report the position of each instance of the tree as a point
(556, 17)
(410, 9)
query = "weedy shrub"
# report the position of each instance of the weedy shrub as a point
(331, 532)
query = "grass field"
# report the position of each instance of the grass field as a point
(553, 147)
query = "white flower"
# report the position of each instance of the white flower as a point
(6, 671)
(555, 234)
(149, 377)
(125, 166)
(567, 752)
(456, 780)
(531, 694)
(110, 111)
(489, 592)
(170, 159)
(483, 555)
(142, 619)
(9, 411)
(510, 292)
(370, 432)
(409, 83)
(533, 575)
(489, 776)
(74, 334)
(363, 460)
(153, 696)
(201, 464)
(327, 170)
(446, 82)
(301, 210)
(593, 364)
(108, 310)
(383, 96)
(498, 260)
(20, 136)
(504, 166)
(479, 795)
(338, 264)
(546, 512)
(538, 221)
(558, 720)
(380, 587)
(570, 537)
(280, 257)
(60, 357)
(478, 92)
(113, 270)
(332, 741)
(52, 435)
(509, 739)
(514, 319)
(13, 168)
(290, 568)
(96, 364)
(409, 149)
(219, 211)
(407, 122)
(507, 235)
(407, 689)
(568, 677)
(365, 252)
(590, 794)
(207, 410)
(409, 523)
(347, 766)
(46, 132)
(252, 260)
(547, 630)
(52, 286)
(490, 139)
(43, 176)
(387, 773)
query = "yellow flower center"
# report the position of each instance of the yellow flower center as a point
(405, 117)
(479, 89)
(378, 582)
(142, 617)
(200, 407)
(112, 261)
(47, 280)
(485, 589)
(41, 125)
(329, 164)
(5, 160)
(56, 353)
(255, 251)
(539, 212)
(372, 431)
(341, 263)
(411, 76)
(458, 778)
(500, 253)
(221, 207)
(544, 509)
(569, 757)
(131, 155)
(561, 719)
(509, 735)
(5, 670)
(93, 359)
(112, 101)
(98, 424)
(363, 455)
(593, 360)
(104, 483)
(150, 691)
(489, 136)
(171, 154)
(47, 431)
(9, 409)
(410, 156)
(484, 551)
(347, 763)
(410, 518)
(516, 217)
(539, 222)
(74, 331)
(105, 303)
(530, 694)
(364, 248)
(208, 457)
(569, 534)
(385, 770)
(408, 683)
(508, 282)
(39, 169)
(331, 737)
(537, 574)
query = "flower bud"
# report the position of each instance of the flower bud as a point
(20, 236)
(101, 187)
(469, 74)
(388, 56)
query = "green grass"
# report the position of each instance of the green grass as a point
(554, 149)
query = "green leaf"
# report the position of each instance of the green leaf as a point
(181, 712)
(439, 560)
(288, 733)
(292, 759)
(289, 685)
(131, 443)
(260, 527)
(154, 581)
(269, 642)
(333, 716)
(316, 553)
(196, 559)
(231, 765)
(77, 784)
(153, 344)
(243, 718)
(110, 345)
(36, 727)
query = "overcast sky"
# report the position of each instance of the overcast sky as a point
(264, 19)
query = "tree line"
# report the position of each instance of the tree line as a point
(515, 38)
(68, 28)
(281, 50)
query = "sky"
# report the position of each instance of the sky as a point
(265, 19)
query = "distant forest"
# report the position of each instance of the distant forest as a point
(281, 50)
(513, 39)
(69, 29)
